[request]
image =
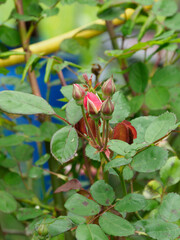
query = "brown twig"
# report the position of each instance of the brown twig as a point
(61, 78)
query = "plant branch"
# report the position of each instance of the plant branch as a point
(61, 77)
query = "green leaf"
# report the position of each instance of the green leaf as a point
(173, 22)
(76, 219)
(153, 190)
(170, 172)
(157, 97)
(7, 203)
(127, 173)
(115, 225)
(131, 203)
(48, 129)
(67, 91)
(147, 24)
(164, 8)
(150, 160)
(138, 77)
(167, 76)
(102, 193)
(81, 205)
(24, 17)
(49, 3)
(90, 232)
(28, 129)
(120, 147)
(29, 63)
(159, 230)
(92, 153)
(9, 36)
(12, 140)
(35, 172)
(24, 103)
(107, 12)
(74, 45)
(145, 2)
(48, 69)
(43, 159)
(64, 144)
(136, 103)
(170, 207)
(73, 112)
(21, 152)
(121, 108)
(160, 127)
(116, 163)
(50, 12)
(24, 214)
(12, 178)
(59, 225)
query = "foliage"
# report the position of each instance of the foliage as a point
(122, 135)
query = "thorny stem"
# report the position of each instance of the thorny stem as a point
(87, 125)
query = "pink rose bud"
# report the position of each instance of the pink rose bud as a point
(92, 103)
(107, 109)
(109, 87)
(78, 94)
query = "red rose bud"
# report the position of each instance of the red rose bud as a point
(125, 131)
(107, 109)
(109, 87)
(78, 94)
(92, 103)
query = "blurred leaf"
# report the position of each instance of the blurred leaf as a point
(64, 144)
(165, 8)
(167, 76)
(49, 2)
(12, 178)
(153, 190)
(7, 203)
(138, 77)
(92, 153)
(73, 112)
(170, 172)
(23, 103)
(50, 12)
(9, 36)
(21, 153)
(28, 129)
(29, 63)
(157, 97)
(173, 22)
(91, 232)
(145, 2)
(127, 173)
(35, 172)
(59, 225)
(12, 140)
(102, 193)
(74, 45)
(131, 203)
(121, 108)
(159, 230)
(116, 163)
(4, 71)
(81, 205)
(67, 91)
(160, 127)
(48, 129)
(24, 214)
(108, 12)
(147, 24)
(150, 160)
(24, 17)
(136, 103)
(115, 225)
(43, 159)
(169, 209)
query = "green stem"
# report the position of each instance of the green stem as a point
(87, 125)
(107, 134)
(103, 133)
(98, 133)
(122, 181)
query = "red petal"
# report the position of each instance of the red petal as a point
(121, 132)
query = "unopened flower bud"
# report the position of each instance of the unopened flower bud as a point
(109, 87)
(96, 68)
(107, 109)
(42, 230)
(78, 94)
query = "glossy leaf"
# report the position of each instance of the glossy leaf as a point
(115, 225)
(102, 193)
(170, 207)
(150, 160)
(90, 232)
(23, 103)
(131, 203)
(73, 112)
(170, 172)
(64, 144)
(82, 206)
(160, 127)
